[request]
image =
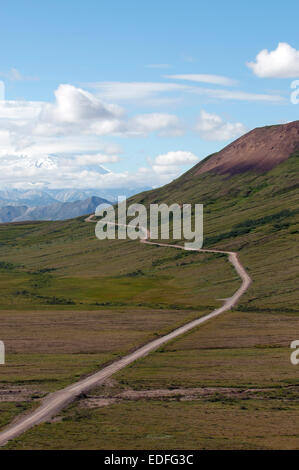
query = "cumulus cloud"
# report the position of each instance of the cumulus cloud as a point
(51, 172)
(170, 163)
(5, 142)
(204, 78)
(78, 110)
(65, 145)
(165, 124)
(176, 158)
(167, 170)
(58, 144)
(19, 111)
(213, 127)
(283, 62)
(84, 171)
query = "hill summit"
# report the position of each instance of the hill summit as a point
(259, 150)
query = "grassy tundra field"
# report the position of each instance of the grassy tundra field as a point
(70, 303)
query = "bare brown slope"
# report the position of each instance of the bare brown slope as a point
(259, 150)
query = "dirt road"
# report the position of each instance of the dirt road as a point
(55, 402)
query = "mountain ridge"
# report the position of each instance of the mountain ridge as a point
(259, 150)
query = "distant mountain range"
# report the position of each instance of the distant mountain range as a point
(45, 168)
(53, 211)
(36, 197)
(54, 204)
(43, 203)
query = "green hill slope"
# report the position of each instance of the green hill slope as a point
(70, 303)
(256, 214)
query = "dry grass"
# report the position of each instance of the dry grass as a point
(207, 424)
(52, 349)
(236, 350)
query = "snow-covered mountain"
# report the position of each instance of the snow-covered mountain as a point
(38, 198)
(48, 162)
(46, 170)
(70, 195)
(15, 197)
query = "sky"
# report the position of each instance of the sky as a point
(131, 94)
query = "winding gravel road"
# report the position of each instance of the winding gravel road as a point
(56, 401)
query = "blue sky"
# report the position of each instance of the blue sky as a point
(143, 89)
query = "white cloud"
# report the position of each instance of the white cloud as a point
(78, 110)
(58, 145)
(176, 158)
(85, 171)
(283, 62)
(19, 111)
(74, 104)
(23, 172)
(134, 91)
(236, 95)
(170, 164)
(170, 171)
(204, 78)
(5, 141)
(149, 93)
(165, 124)
(213, 127)
(95, 159)
(64, 145)
(51, 171)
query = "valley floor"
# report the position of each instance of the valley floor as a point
(176, 397)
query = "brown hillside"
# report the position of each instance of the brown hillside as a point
(259, 150)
